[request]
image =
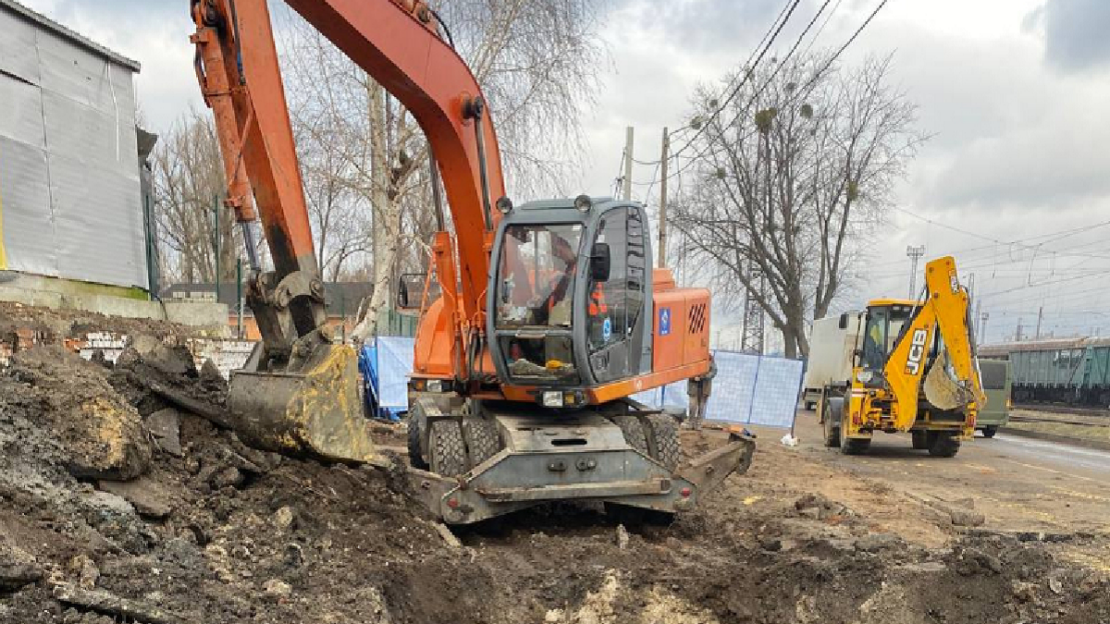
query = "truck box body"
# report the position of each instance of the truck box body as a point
(830, 355)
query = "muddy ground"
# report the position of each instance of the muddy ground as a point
(113, 502)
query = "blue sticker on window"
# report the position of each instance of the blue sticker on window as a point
(606, 329)
(664, 321)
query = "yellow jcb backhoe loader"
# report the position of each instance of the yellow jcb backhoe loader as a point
(913, 369)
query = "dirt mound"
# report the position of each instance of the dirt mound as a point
(214, 531)
(101, 435)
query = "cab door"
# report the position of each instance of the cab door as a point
(615, 304)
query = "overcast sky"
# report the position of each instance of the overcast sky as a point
(1015, 181)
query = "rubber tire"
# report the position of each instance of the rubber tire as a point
(989, 431)
(832, 430)
(854, 446)
(943, 444)
(633, 431)
(483, 440)
(663, 436)
(447, 449)
(920, 440)
(415, 431)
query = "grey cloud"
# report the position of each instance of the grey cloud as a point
(1076, 33)
(714, 24)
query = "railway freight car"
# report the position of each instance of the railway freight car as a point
(1071, 370)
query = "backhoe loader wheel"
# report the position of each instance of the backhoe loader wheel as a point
(482, 438)
(447, 449)
(920, 440)
(633, 431)
(943, 444)
(832, 429)
(854, 446)
(663, 436)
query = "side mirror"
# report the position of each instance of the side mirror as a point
(844, 321)
(600, 262)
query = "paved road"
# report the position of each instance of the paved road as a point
(1018, 483)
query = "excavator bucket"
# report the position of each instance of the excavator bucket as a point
(313, 411)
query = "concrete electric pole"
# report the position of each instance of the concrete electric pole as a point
(914, 254)
(663, 201)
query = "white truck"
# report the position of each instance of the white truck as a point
(830, 355)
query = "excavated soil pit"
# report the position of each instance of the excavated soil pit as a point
(213, 531)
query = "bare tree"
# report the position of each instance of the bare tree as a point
(790, 181)
(188, 190)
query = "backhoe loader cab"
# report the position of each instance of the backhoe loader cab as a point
(571, 302)
(882, 325)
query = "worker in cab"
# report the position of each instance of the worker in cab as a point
(554, 309)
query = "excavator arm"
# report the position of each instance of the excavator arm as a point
(945, 308)
(298, 391)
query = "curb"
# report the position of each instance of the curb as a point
(1059, 439)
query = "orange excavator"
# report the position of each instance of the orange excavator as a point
(549, 318)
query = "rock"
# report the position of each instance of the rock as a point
(85, 570)
(17, 568)
(227, 477)
(284, 518)
(622, 537)
(1025, 591)
(165, 426)
(770, 545)
(294, 556)
(209, 372)
(966, 517)
(277, 590)
(875, 542)
(107, 503)
(147, 496)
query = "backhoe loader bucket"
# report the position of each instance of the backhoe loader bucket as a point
(313, 410)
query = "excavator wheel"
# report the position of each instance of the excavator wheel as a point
(482, 438)
(447, 449)
(943, 444)
(663, 436)
(416, 426)
(633, 431)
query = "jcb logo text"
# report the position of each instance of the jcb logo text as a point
(917, 350)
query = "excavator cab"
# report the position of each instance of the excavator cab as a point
(571, 303)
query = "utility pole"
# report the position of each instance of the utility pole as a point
(983, 327)
(914, 254)
(978, 311)
(1017, 334)
(627, 191)
(663, 201)
(751, 337)
(1040, 317)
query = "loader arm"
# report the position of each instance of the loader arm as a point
(945, 308)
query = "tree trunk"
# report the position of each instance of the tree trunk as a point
(387, 218)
